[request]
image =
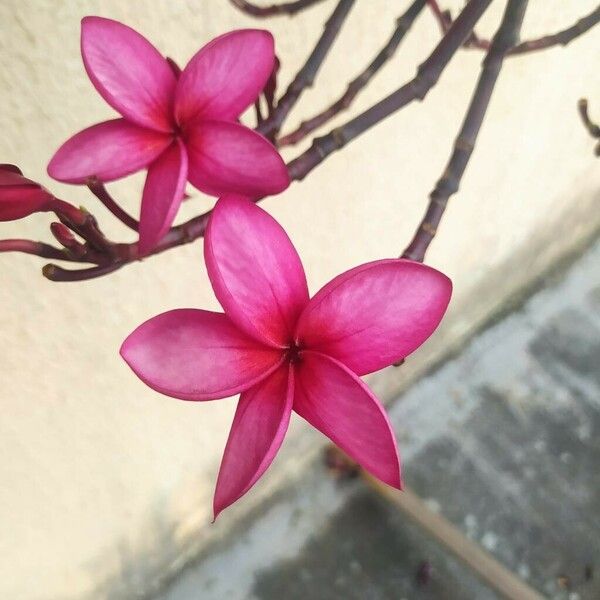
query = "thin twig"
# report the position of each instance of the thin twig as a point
(56, 273)
(99, 190)
(35, 248)
(306, 76)
(427, 76)
(403, 25)
(428, 73)
(506, 38)
(444, 19)
(593, 128)
(560, 38)
(442, 16)
(285, 8)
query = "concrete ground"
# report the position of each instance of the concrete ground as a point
(503, 440)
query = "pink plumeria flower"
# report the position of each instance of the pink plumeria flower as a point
(284, 351)
(19, 196)
(181, 129)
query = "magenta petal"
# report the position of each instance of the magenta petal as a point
(108, 151)
(163, 193)
(196, 355)
(225, 77)
(10, 177)
(337, 403)
(230, 158)
(255, 270)
(259, 426)
(128, 72)
(375, 314)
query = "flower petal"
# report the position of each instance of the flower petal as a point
(230, 158)
(375, 314)
(11, 176)
(163, 193)
(196, 355)
(21, 201)
(108, 151)
(225, 77)
(337, 403)
(128, 72)
(255, 270)
(259, 426)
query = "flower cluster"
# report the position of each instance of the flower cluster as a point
(279, 349)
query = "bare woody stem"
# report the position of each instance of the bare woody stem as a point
(403, 25)
(473, 41)
(99, 190)
(56, 273)
(113, 256)
(285, 8)
(444, 19)
(35, 248)
(560, 38)
(593, 128)
(448, 184)
(427, 76)
(306, 76)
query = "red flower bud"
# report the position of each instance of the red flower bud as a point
(19, 196)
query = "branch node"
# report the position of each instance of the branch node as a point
(429, 228)
(339, 137)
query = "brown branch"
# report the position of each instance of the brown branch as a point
(285, 8)
(403, 25)
(427, 75)
(56, 273)
(560, 38)
(35, 248)
(99, 190)
(306, 76)
(593, 128)
(448, 184)
(444, 19)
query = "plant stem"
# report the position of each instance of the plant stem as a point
(593, 128)
(403, 25)
(56, 273)
(306, 76)
(99, 190)
(427, 76)
(448, 184)
(35, 248)
(110, 256)
(285, 8)
(561, 38)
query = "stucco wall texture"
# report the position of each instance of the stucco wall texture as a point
(104, 484)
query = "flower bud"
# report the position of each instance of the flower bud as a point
(19, 196)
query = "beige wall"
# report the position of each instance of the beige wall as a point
(104, 483)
